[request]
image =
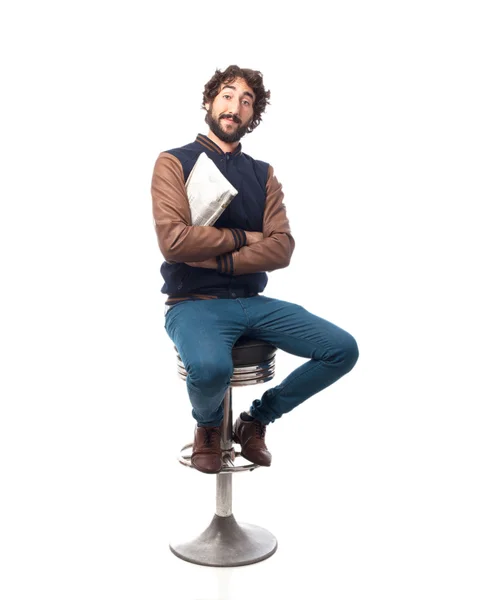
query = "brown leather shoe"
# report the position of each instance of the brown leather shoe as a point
(207, 454)
(250, 434)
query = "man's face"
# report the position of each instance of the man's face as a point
(231, 112)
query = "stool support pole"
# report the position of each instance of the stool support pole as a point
(225, 542)
(224, 481)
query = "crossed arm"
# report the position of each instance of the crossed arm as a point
(229, 251)
(252, 237)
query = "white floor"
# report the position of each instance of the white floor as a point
(359, 510)
(372, 494)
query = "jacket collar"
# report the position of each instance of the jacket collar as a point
(212, 147)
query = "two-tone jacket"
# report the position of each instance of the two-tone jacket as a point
(258, 206)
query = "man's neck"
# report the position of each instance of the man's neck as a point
(225, 146)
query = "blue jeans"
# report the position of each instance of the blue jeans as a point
(205, 331)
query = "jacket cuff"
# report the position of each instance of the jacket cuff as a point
(224, 264)
(240, 238)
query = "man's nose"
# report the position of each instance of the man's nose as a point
(235, 107)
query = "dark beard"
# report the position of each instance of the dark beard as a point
(229, 138)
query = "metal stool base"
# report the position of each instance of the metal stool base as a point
(226, 543)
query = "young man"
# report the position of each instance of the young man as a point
(214, 276)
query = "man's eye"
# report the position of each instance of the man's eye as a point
(226, 96)
(246, 101)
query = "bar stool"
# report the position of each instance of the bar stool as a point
(225, 542)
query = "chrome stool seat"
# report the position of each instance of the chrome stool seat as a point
(226, 543)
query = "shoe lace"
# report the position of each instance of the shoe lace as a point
(260, 429)
(210, 435)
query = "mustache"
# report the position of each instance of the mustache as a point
(233, 117)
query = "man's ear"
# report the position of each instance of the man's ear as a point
(207, 105)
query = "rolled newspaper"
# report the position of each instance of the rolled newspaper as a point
(208, 190)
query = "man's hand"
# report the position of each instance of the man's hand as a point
(252, 237)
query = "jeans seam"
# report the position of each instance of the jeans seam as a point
(245, 312)
(288, 335)
(316, 362)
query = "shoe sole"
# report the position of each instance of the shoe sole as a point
(236, 440)
(206, 471)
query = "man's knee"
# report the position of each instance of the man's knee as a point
(350, 352)
(343, 352)
(210, 375)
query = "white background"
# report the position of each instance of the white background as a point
(373, 131)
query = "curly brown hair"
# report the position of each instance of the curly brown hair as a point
(253, 78)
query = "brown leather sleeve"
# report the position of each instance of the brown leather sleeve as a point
(180, 241)
(275, 250)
